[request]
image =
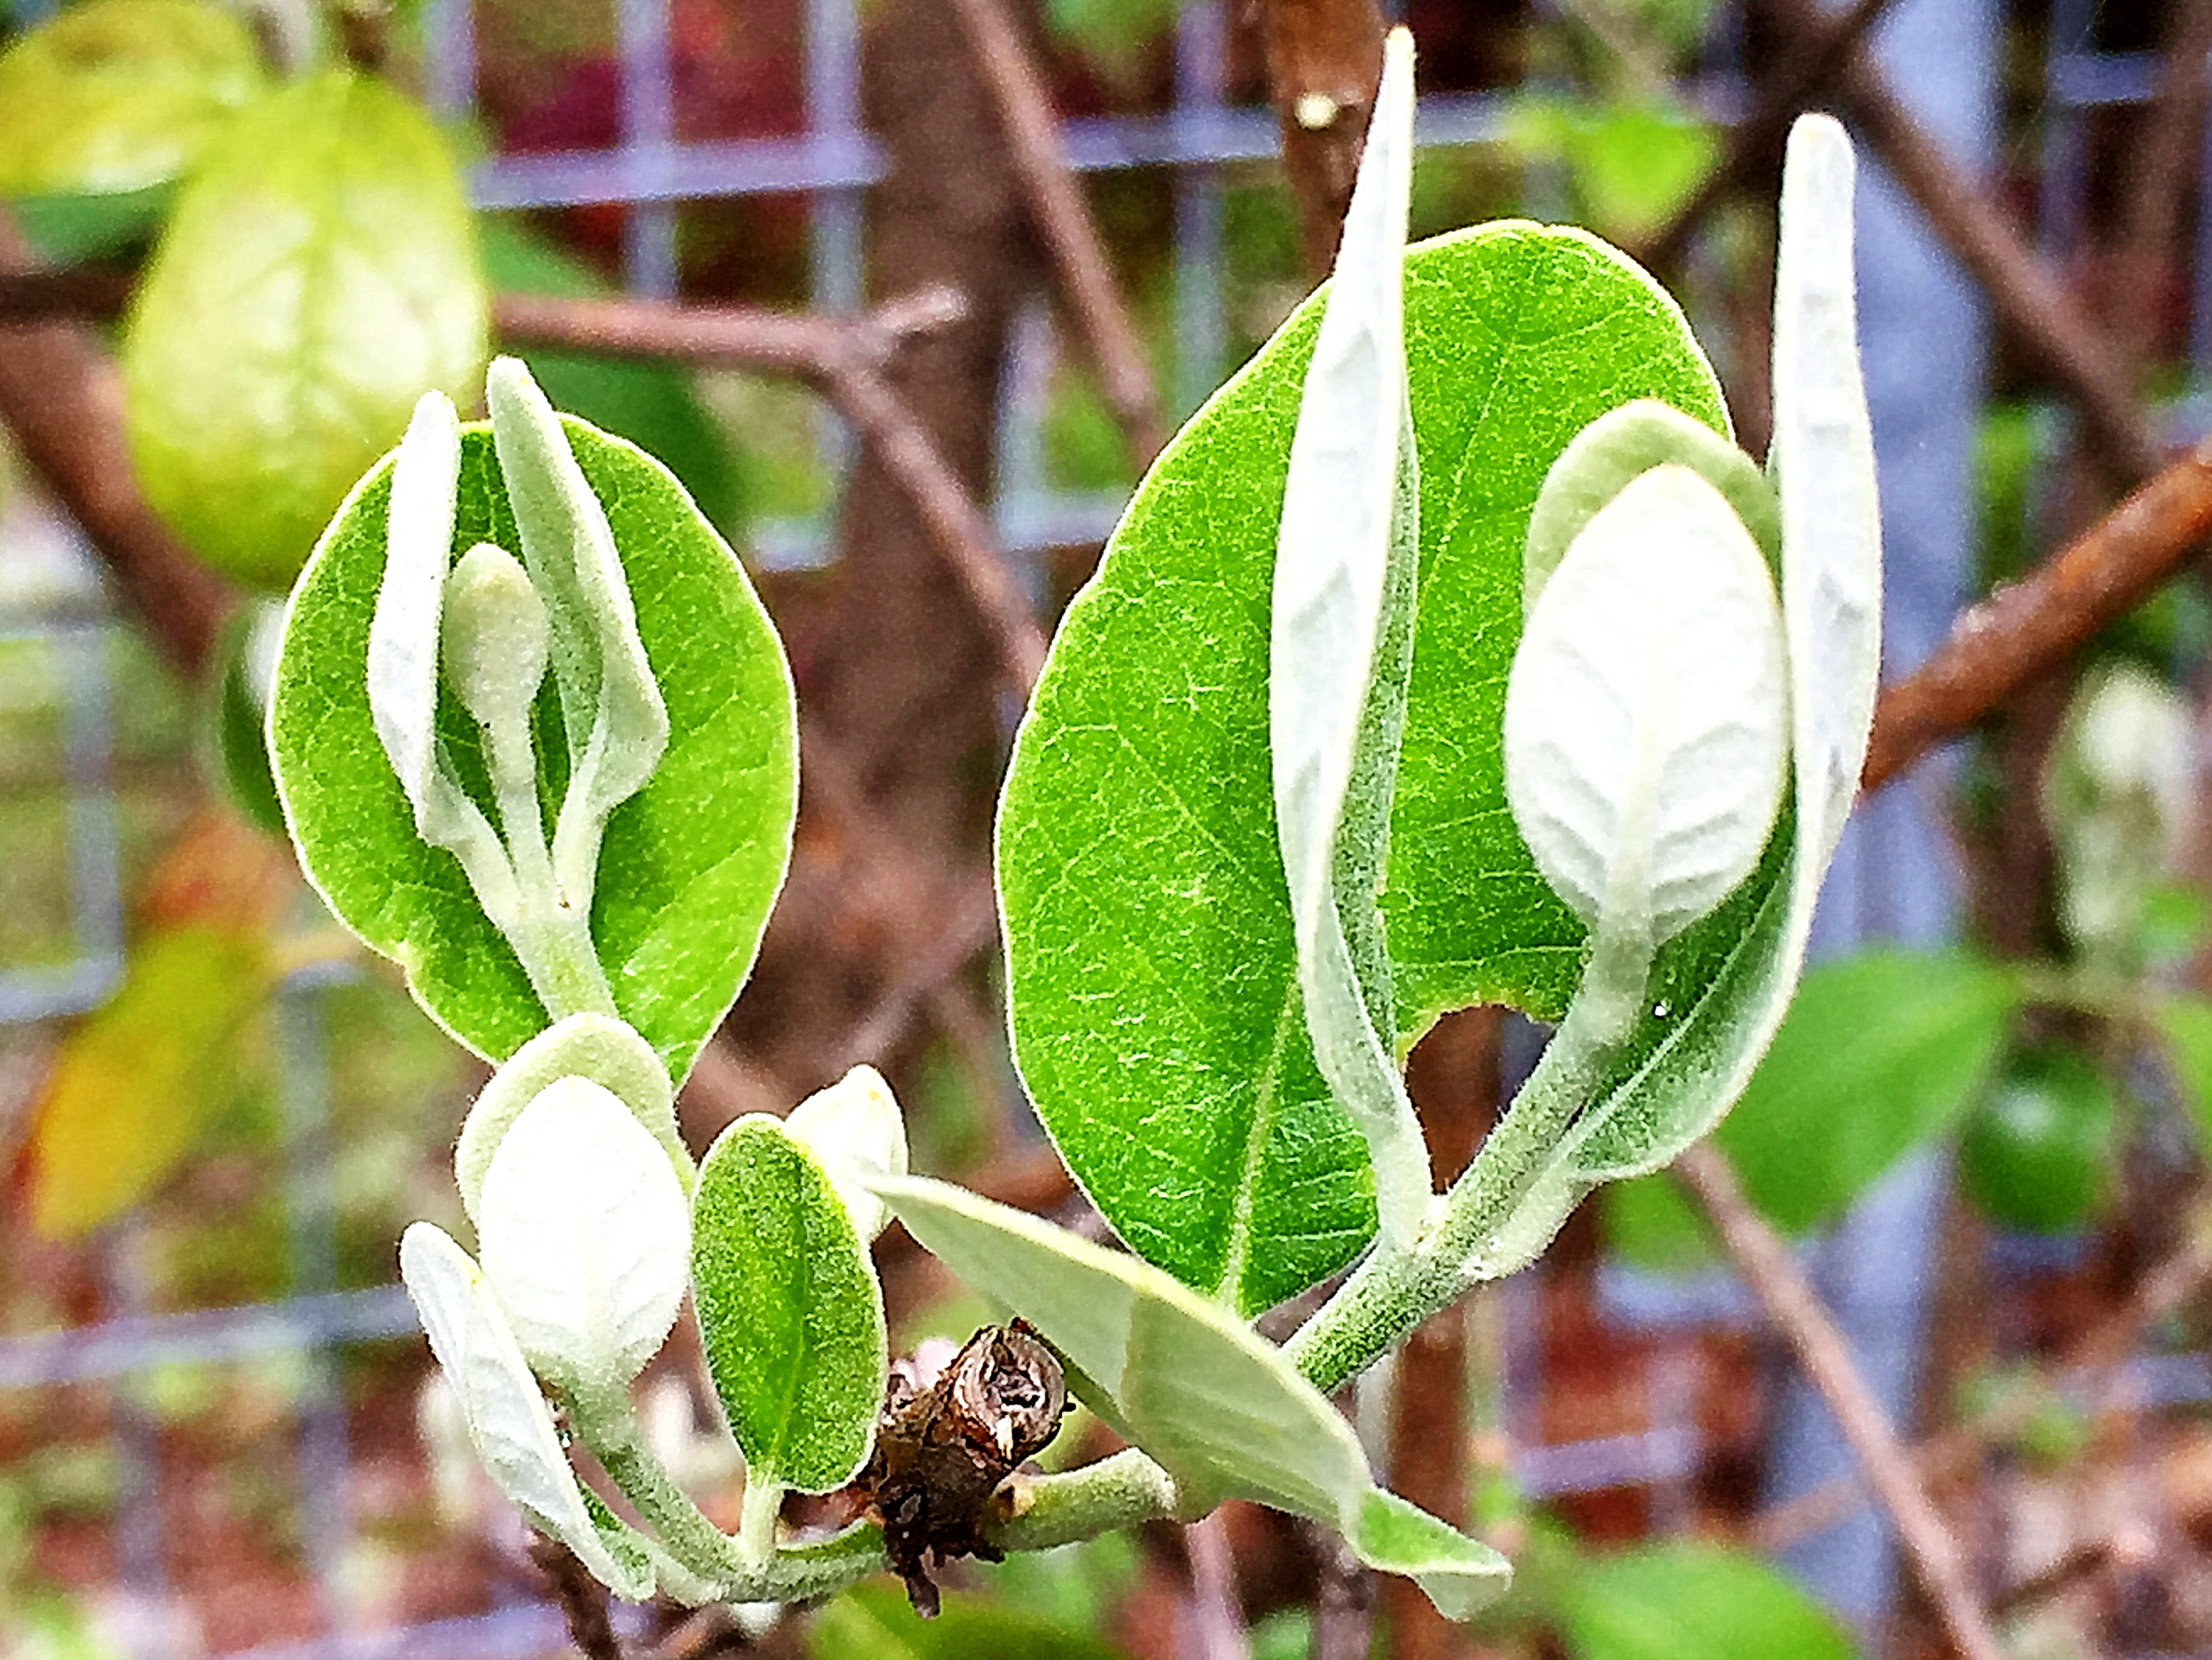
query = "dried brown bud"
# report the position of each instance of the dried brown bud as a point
(948, 1436)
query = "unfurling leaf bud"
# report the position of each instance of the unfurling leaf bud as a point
(496, 638)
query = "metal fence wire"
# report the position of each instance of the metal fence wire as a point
(830, 163)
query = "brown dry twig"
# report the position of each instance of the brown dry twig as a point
(1754, 141)
(1064, 220)
(2027, 628)
(1790, 1301)
(1324, 63)
(2031, 304)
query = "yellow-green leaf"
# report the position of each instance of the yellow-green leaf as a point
(119, 94)
(320, 276)
(135, 1084)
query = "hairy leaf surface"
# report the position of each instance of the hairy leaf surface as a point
(789, 1306)
(1157, 1015)
(690, 864)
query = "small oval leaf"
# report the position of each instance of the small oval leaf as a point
(788, 1307)
(116, 96)
(1646, 716)
(585, 1237)
(318, 275)
(690, 865)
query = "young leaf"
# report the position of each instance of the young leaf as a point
(1138, 856)
(1879, 1053)
(1339, 647)
(612, 710)
(789, 1308)
(1619, 445)
(403, 650)
(1204, 1395)
(1682, 1600)
(318, 275)
(855, 1129)
(690, 864)
(509, 1421)
(588, 1046)
(1707, 1027)
(1823, 462)
(585, 1237)
(116, 96)
(1644, 718)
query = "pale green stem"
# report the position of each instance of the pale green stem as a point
(552, 937)
(756, 1519)
(1395, 1290)
(608, 1424)
(1115, 1493)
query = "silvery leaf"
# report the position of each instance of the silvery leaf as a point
(855, 1129)
(586, 1235)
(1341, 649)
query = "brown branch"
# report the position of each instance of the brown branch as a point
(582, 1600)
(1063, 219)
(2027, 629)
(1324, 63)
(2031, 305)
(956, 524)
(56, 394)
(1753, 142)
(1790, 1302)
(814, 346)
(1217, 1620)
(2169, 1284)
(61, 397)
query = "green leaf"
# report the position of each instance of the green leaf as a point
(1156, 1012)
(1881, 1052)
(789, 1308)
(1649, 1225)
(2184, 1021)
(874, 1622)
(116, 96)
(1692, 1602)
(1633, 166)
(1209, 1399)
(652, 405)
(690, 865)
(238, 715)
(2037, 1155)
(72, 230)
(318, 275)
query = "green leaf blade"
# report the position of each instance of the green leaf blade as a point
(318, 275)
(689, 865)
(1694, 1601)
(789, 1308)
(1156, 1013)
